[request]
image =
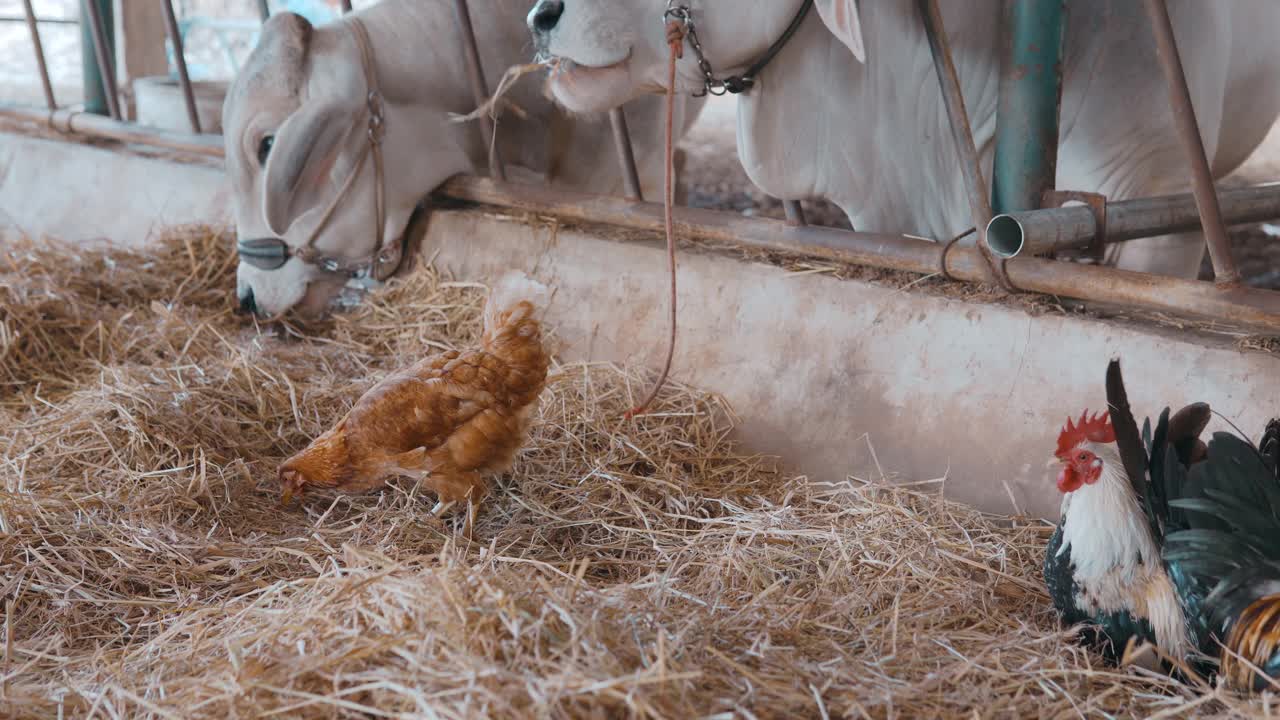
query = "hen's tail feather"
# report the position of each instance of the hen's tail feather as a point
(513, 298)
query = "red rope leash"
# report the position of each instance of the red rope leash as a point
(675, 40)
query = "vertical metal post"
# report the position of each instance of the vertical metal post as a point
(475, 72)
(175, 38)
(1026, 152)
(1184, 115)
(99, 67)
(626, 156)
(264, 10)
(39, 48)
(961, 132)
(346, 6)
(795, 213)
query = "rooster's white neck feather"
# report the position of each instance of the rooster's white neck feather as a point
(1117, 563)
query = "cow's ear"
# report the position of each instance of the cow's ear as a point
(303, 154)
(841, 18)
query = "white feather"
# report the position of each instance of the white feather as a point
(1117, 563)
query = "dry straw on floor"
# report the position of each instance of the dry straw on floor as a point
(648, 568)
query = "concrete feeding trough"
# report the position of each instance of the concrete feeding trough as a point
(160, 103)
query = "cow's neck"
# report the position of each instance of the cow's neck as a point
(413, 40)
(874, 138)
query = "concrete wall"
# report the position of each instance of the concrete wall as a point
(79, 193)
(838, 377)
(846, 378)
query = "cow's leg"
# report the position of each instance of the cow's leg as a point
(1177, 255)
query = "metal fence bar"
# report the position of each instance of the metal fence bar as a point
(1251, 308)
(47, 21)
(1036, 232)
(39, 49)
(1026, 146)
(180, 59)
(97, 126)
(626, 155)
(264, 10)
(795, 213)
(346, 6)
(961, 131)
(475, 72)
(106, 66)
(1184, 115)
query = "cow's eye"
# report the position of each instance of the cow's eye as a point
(264, 148)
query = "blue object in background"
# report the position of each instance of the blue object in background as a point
(317, 12)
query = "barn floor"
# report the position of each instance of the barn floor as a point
(647, 568)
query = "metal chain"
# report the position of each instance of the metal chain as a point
(734, 83)
(684, 15)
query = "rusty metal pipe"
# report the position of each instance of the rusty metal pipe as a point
(1243, 307)
(961, 130)
(45, 83)
(1184, 115)
(475, 73)
(175, 38)
(97, 126)
(626, 155)
(795, 213)
(106, 64)
(1039, 232)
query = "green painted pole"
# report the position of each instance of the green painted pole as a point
(95, 100)
(1026, 153)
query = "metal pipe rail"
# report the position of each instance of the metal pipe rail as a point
(1184, 115)
(1247, 308)
(101, 127)
(479, 89)
(1039, 232)
(32, 28)
(1250, 308)
(184, 79)
(106, 63)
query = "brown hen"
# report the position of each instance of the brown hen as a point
(449, 419)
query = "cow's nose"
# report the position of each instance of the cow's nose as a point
(545, 15)
(247, 305)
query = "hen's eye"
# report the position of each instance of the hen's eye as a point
(264, 148)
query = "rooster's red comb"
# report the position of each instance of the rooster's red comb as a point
(1096, 429)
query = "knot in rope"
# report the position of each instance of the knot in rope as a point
(675, 37)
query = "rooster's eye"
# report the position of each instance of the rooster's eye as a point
(1082, 457)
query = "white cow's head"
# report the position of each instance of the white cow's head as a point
(296, 129)
(611, 51)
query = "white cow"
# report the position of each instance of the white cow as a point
(296, 129)
(851, 111)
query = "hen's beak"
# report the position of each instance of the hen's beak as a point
(292, 485)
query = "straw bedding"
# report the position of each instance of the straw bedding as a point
(648, 568)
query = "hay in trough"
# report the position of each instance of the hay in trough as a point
(649, 568)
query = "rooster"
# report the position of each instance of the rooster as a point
(448, 419)
(1186, 555)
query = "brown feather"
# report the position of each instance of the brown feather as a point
(1253, 641)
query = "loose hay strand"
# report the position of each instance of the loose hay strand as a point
(649, 569)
